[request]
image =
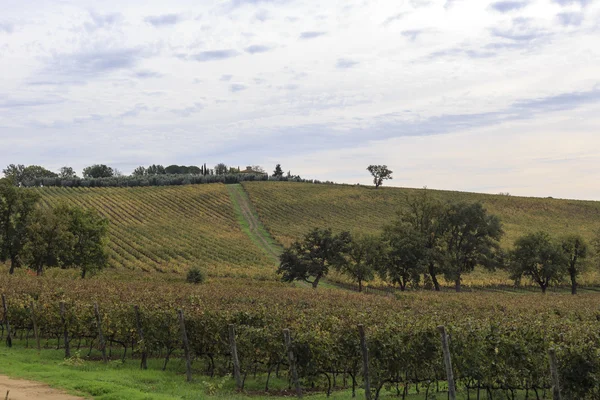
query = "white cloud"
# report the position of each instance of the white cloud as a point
(447, 91)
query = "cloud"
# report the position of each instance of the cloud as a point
(256, 48)
(6, 27)
(90, 63)
(135, 111)
(188, 111)
(570, 18)
(582, 3)
(344, 63)
(393, 18)
(237, 87)
(226, 78)
(261, 15)
(163, 20)
(311, 34)
(9, 103)
(144, 74)
(412, 34)
(214, 55)
(507, 6)
(462, 52)
(520, 31)
(100, 21)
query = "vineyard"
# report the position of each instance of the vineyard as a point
(498, 342)
(171, 228)
(289, 210)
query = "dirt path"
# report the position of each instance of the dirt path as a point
(20, 389)
(256, 228)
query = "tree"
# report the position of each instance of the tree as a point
(139, 171)
(50, 240)
(471, 238)
(426, 215)
(362, 258)
(312, 257)
(380, 173)
(90, 234)
(220, 169)
(156, 170)
(16, 208)
(14, 173)
(405, 255)
(67, 237)
(258, 168)
(278, 171)
(98, 171)
(536, 256)
(67, 173)
(20, 174)
(575, 250)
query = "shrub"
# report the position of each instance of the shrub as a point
(195, 275)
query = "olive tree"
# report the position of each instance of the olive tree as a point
(538, 257)
(471, 238)
(16, 207)
(575, 250)
(313, 256)
(363, 256)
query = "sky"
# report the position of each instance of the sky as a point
(470, 95)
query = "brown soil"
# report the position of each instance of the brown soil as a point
(20, 389)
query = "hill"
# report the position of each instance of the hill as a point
(289, 210)
(170, 228)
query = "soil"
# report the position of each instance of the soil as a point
(20, 389)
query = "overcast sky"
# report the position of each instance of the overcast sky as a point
(451, 94)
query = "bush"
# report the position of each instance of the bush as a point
(195, 275)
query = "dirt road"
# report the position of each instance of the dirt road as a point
(23, 390)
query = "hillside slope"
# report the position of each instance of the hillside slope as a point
(170, 228)
(290, 209)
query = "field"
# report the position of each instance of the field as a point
(499, 341)
(290, 210)
(171, 228)
(500, 336)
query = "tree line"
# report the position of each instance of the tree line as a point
(153, 175)
(45, 237)
(429, 240)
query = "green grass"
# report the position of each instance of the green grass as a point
(126, 381)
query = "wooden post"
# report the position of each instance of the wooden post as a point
(35, 327)
(100, 335)
(365, 357)
(448, 363)
(186, 347)
(554, 375)
(292, 361)
(234, 356)
(138, 322)
(65, 332)
(6, 322)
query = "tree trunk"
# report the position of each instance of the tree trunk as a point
(83, 271)
(573, 282)
(457, 284)
(544, 287)
(436, 284)
(14, 263)
(359, 286)
(316, 282)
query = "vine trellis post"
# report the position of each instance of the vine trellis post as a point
(448, 363)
